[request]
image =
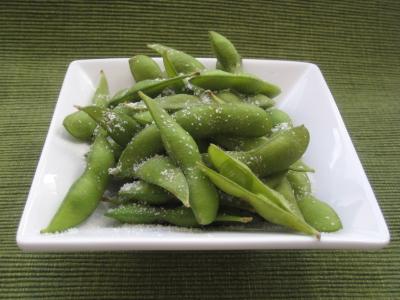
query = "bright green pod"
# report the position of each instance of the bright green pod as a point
(118, 125)
(143, 118)
(152, 87)
(144, 192)
(261, 204)
(278, 154)
(79, 124)
(160, 171)
(239, 143)
(260, 100)
(243, 83)
(86, 192)
(226, 53)
(202, 122)
(182, 62)
(241, 174)
(300, 183)
(143, 68)
(275, 179)
(169, 103)
(182, 148)
(181, 216)
(300, 166)
(285, 189)
(319, 214)
(279, 117)
(229, 97)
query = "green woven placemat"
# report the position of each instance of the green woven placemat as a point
(356, 44)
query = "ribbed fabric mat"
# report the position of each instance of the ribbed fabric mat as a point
(355, 43)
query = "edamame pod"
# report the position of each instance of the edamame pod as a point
(181, 216)
(119, 126)
(229, 97)
(281, 151)
(260, 100)
(279, 117)
(152, 87)
(86, 192)
(242, 175)
(79, 124)
(143, 118)
(144, 192)
(226, 53)
(319, 214)
(239, 143)
(169, 103)
(300, 183)
(143, 68)
(243, 83)
(201, 122)
(181, 147)
(300, 166)
(160, 171)
(182, 62)
(261, 204)
(285, 189)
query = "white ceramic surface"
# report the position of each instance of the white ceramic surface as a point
(339, 179)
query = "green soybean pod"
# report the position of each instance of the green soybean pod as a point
(281, 151)
(261, 204)
(275, 179)
(181, 147)
(182, 62)
(143, 67)
(202, 122)
(153, 87)
(226, 53)
(239, 143)
(169, 103)
(260, 100)
(160, 171)
(118, 125)
(279, 117)
(143, 118)
(144, 192)
(243, 83)
(79, 124)
(229, 96)
(285, 189)
(300, 183)
(85, 193)
(300, 166)
(181, 216)
(319, 214)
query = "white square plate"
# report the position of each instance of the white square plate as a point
(339, 179)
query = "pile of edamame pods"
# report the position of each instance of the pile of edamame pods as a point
(192, 147)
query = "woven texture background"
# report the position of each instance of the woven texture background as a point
(357, 46)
